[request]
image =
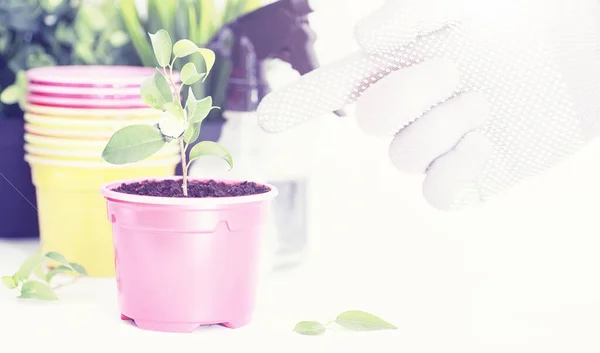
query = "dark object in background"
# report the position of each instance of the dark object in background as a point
(18, 215)
(280, 30)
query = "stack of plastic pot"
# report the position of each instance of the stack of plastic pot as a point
(71, 113)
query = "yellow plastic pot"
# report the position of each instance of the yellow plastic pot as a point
(60, 143)
(72, 213)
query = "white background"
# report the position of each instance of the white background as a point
(519, 274)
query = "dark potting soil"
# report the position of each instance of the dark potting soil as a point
(199, 189)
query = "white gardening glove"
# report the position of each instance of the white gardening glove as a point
(479, 94)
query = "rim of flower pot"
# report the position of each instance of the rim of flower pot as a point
(91, 75)
(108, 193)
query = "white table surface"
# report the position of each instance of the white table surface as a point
(517, 275)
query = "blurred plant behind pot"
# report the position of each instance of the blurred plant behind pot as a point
(36, 33)
(196, 20)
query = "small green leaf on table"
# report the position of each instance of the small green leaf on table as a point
(132, 144)
(39, 271)
(189, 74)
(78, 268)
(161, 44)
(184, 47)
(28, 266)
(357, 320)
(54, 256)
(55, 271)
(9, 282)
(156, 92)
(37, 290)
(310, 328)
(211, 149)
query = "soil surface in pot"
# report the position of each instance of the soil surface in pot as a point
(198, 189)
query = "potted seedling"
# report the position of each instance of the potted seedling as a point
(186, 250)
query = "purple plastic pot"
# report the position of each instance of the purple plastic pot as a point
(18, 214)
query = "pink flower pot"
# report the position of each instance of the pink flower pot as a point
(186, 262)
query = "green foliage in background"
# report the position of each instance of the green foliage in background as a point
(36, 33)
(195, 20)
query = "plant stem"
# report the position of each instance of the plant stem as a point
(172, 83)
(184, 165)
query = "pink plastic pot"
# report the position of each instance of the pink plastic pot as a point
(186, 262)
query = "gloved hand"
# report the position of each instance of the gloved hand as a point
(478, 93)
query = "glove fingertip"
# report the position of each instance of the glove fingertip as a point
(451, 180)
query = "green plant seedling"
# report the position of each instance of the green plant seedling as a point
(353, 320)
(182, 123)
(32, 279)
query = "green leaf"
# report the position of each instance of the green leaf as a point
(189, 75)
(78, 268)
(184, 47)
(11, 94)
(118, 39)
(192, 133)
(84, 52)
(163, 86)
(357, 320)
(175, 110)
(131, 19)
(209, 59)
(50, 5)
(207, 22)
(28, 266)
(93, 17)
(132, 144)
(22, 80)
(65, 34)
(310, 328)
(39, 272)
(9, 282)
(54, 256)
(211, 149)
(161, 44)
(37, 290)
(156, 92)
(190, 103)
(199, 110)
(55, 271)
(83, 33)
(172, 127)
